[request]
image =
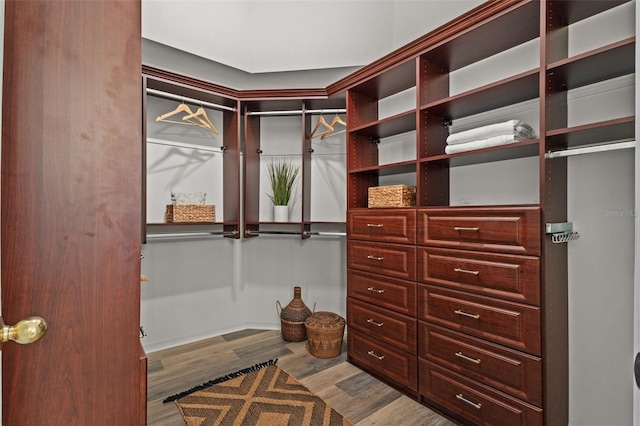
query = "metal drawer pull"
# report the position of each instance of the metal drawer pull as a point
(377, 324)
(466, 271)
(473, 404)
(374, 257)
(375, 225)
(462, 228)
(375, 290)
(465, 314)
(373, 354)
(463, 356)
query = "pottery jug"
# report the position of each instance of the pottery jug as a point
(292, 317)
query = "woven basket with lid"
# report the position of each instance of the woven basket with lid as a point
(292, 317)
(325, 331)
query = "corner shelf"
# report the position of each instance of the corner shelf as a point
(256, 110)
(172, 86)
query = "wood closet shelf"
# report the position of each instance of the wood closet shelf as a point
(522, 149)
(586, 68)
(292, 102)
(499, 29)
(393, 80)
(274, 104)
(594, 133)
(509, 91)
(390, 126)
(576, 10)
(488, 285)
(186, 87)
(386, 169)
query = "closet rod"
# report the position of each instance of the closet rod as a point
(327, 234)
(590, 149)
(326, 111)
(249, 232)
(190, 235)
(299, 112)
(183, 145)
(178, 98)
(324, 234)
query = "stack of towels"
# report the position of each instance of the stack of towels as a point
(487, 136)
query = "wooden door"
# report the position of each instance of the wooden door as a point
(70, 211)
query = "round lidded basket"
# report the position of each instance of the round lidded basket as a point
(292, 317)
(325, 331)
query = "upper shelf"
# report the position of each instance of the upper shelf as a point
(509, 28)
(387, 169)
(586, 68)
(519, 88)
(576, 10)
(396, 124)
(593, 133)
(528, 148)
(189, 88)
(395, 80)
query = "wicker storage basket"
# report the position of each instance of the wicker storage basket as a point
(176, 213)
(392, 196)
(325, 331)
(292, 317)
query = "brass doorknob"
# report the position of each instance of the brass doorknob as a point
(26, 331)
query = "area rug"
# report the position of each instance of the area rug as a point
(262, 395)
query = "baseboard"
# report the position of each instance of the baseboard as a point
(152, 347)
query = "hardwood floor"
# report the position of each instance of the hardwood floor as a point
(355, 394)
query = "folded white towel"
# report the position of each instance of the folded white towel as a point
(511, 127)
(482, 143)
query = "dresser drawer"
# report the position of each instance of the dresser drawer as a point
(478, 403)
(497, 229)
(392, 225)
(391, 293)
(395, 260)
(511, 324)
(388, 326)
(510, 277)
(513, 372)
(397, 365)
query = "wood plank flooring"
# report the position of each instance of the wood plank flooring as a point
(355, 394)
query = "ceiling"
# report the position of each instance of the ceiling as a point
(272, 36)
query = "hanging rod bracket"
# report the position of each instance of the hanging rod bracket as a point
(561, 232)
(554, 228)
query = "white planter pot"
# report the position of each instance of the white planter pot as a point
(281, 213)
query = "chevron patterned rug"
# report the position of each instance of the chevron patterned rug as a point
(264, 396)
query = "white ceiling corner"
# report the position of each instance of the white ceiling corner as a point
(261, 36)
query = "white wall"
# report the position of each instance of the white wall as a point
(601, 262)
(199, 287)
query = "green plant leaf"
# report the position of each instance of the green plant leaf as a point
(282, 176)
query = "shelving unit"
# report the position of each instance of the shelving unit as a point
(422, 315)
(242, 114)
(439, 294)
(178, 88)
(301, 109)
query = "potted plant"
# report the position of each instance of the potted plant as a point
(282, 176)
